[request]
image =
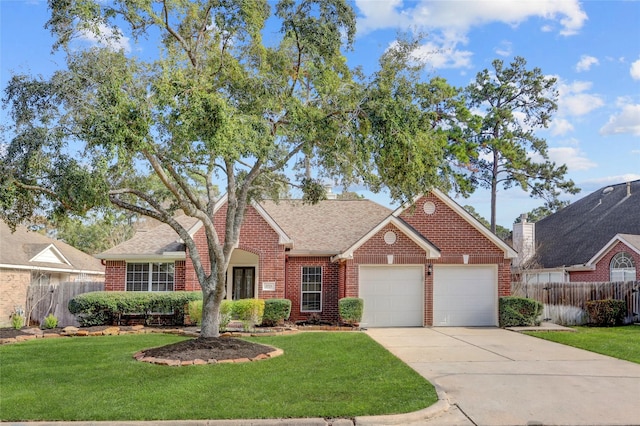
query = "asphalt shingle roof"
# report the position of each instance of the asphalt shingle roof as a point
(574, 234)
(330, 226)
(152, 241)
(20, 247)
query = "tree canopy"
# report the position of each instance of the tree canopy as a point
(514, 101)
(217, 102)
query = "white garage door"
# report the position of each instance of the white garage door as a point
(393, 296)
(465, 295)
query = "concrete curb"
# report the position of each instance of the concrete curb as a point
(417, 417)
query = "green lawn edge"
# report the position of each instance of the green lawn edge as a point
(330, 375)
(619, 342)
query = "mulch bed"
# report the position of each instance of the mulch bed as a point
(205, 348)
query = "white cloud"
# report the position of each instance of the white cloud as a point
(627, 121)
(573, 101)
(635, 70)
(586, 62)
(505, 48)
(106, 37)
(609, 180)
(450, 21)
(444, 55)
(560, 126)
(452, 15)
(574, 158)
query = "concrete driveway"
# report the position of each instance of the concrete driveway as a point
(493, 376)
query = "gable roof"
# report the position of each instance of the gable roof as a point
(631, 241)
(575, 234)
(328, 227)
(26, 249)
(509, 252)
(431, 250)
(159, 242)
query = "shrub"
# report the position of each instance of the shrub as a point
(606, 313)
(276, 311)
(50, 322)
(195, 312)
(518, 311)
(226, 311)
(105, 307)
(249, 311)
(17, 321)
(350, 309)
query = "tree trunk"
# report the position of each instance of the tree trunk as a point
(210, 313)
(494, 190)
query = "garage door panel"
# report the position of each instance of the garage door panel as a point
(465, 296)
(393, 296)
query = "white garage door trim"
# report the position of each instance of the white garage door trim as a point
(465, 295)
(393, 295)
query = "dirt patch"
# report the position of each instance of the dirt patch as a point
(205, 348)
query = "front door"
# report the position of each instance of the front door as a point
(243, 282)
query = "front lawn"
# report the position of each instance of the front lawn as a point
(95, 378)
(619, 342)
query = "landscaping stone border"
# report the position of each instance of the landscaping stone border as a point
(140, 356)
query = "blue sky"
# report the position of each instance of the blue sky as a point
(591, 47)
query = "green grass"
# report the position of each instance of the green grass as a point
(319, 375)
(619, 342)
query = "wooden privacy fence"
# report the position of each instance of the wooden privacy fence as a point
(43, 300)
(559, 298)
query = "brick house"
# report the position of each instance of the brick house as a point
(595, 239)
(29, 258)
(428, 263)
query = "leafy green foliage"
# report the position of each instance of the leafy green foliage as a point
(50, 322)
(194, 309)
(249, 311)
(502, 232)
(276, 311)
(217, 102)
(515, 101)
(350, 309)
(518, 311)
(105, 307)
(17, 321)
(606, 313)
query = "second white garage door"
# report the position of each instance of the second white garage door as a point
(465, 295)
(393, 296)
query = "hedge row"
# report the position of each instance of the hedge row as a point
(518, 311)
(350, 310)
(607, 312)
(106, 307)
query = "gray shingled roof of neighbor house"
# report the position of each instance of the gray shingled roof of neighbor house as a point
(152, 241)
(328, 227)
(20, 247)
(574, 234)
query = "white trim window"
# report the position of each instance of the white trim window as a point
(151, 276)
(311, 300)
(622, 268)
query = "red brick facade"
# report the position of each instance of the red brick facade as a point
(603, 267)
(260, 247)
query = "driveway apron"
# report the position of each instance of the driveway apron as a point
(493, 376)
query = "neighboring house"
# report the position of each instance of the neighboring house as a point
(428, 263)
(29, 258)
(595, 239)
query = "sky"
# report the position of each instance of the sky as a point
(591, 47)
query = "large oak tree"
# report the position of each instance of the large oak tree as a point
(218, 103)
